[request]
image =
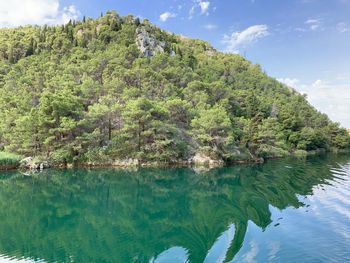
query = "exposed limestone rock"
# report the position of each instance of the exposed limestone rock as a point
(98, 28)
(147, 43)
(126, 163)
(115, 163)
(210, 53)
(33, 164)
(80, 33)
(204, 160)
(25, 162)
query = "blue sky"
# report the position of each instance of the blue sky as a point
(304, 43)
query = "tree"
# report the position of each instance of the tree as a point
(212, 131)
(85, 91)
(270, 139)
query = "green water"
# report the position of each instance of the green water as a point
(281, 211)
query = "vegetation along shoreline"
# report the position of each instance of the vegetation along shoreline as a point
(36, 164)
(120, 91)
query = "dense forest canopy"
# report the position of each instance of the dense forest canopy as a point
(117, 87)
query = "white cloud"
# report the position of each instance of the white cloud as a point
(210, 26)
(318, 84)
(313, 24)
(191, 13)
(289, 82)
(23, 12)
(165, 16)
(330, 97)
(204, 5)
(312, 21)
(201, 5)
(246, 37)
(250, 256)
(343, 27)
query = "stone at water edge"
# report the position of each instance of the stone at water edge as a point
(32, 164)
(201, 159)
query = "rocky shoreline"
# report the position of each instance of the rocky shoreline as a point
(199, 160)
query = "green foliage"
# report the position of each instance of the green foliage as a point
(269, 139)
(9, 159)
(148, 133)
(212, 130)
(300, 153)
(85, 89)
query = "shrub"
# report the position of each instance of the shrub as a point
(9, 159)
(269, 151)
(300, 153)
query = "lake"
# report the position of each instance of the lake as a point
(281, 211)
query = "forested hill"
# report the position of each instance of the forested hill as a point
(117, 87)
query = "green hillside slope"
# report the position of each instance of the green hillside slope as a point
(119, 88)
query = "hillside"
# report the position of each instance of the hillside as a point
(118, 88)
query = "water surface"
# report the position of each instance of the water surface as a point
(281, 211)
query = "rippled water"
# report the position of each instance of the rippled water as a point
(282, 211)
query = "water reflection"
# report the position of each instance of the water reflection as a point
(153, 215)
(217, 253)
(172, 255)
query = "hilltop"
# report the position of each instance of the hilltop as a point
(117, 88)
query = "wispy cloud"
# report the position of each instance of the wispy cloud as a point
(313, 24)
(210, 26)
(201, 5)
(240, 39)
(166, 15)
(343, 27)
(204, 5)
(302, 87)
(330, 97)
(290, 82)
(16, 12)
(319, 84)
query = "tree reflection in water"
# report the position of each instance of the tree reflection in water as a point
(148, 215)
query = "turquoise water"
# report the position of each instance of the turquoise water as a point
(281, 211)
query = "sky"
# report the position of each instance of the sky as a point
(302, 43)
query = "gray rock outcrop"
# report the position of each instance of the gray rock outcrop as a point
(203, 160)
(147, 43)
(33, 164)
